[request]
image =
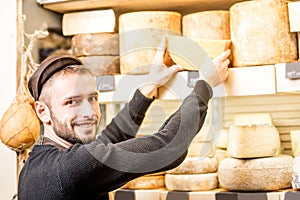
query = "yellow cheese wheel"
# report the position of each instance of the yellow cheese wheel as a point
(258, 174)
(93, 21)
(213, 25)
(96, 44)
(146, 182)
(260, 33)
(140, 36)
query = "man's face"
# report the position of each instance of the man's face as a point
(75, 112)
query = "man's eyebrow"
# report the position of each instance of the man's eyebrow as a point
(80, 96)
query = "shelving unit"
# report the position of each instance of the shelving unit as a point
(120, 6)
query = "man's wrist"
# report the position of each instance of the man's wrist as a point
(149, 90)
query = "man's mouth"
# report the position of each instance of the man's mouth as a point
(85, 124)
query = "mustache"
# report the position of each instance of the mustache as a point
(86, 121)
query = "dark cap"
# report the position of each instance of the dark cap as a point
(48, 68)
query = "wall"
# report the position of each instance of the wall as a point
(8, 38)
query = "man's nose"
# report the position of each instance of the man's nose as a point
(86, 109)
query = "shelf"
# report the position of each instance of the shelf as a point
(243, 81)
(121, 6)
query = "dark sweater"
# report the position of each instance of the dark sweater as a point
(90, 171)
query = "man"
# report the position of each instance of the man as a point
(71, 164)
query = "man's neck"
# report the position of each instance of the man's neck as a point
(56, 139)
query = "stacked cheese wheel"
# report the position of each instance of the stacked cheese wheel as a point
(209, 29)
(94, 40)
(147, 182)
(198, 172)
(260, 33)
(255, 162)
(140, 36)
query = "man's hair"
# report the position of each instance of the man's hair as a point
(47, 90)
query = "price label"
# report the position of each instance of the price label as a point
(105, 83)
(292, 70)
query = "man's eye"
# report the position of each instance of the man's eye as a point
(72, 102)
(93, 98)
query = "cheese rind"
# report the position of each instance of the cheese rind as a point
(140, 36)
(195, 165)
(252, 119)
(96, 44)
(94, 21)
(191, 182)
(260, 174)
(146, 182)
(251, 46)
(102, 65)
(212, 24)
(253, 141)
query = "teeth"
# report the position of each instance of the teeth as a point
(85, 125)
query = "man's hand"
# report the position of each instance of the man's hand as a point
(159, 73)
(220, 74)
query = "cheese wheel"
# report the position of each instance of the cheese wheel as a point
(140, 36)
(191, 182)
(260, 33)
(213, 25)
(146, 182)
(252, 119)
(94, 21)
(253, 141)
(260, 174)
(295, 142)
(214, 47)
(102, 65)
(195, 165)
(96, 44)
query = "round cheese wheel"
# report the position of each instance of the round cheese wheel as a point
(195, 165)
(212, 25)
(191, 182)
(146, 182)
(96, 44)
(258, 174)
(260, 33)
(102, 65)
(253, 141)
(140, 36)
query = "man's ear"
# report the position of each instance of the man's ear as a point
(42, 112)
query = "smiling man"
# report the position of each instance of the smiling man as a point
(70, 163)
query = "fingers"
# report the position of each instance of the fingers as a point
(223, 56)
(176, 68)
(159, 55)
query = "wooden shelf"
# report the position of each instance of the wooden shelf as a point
(121, 6)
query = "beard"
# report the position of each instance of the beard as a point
(63, 131)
